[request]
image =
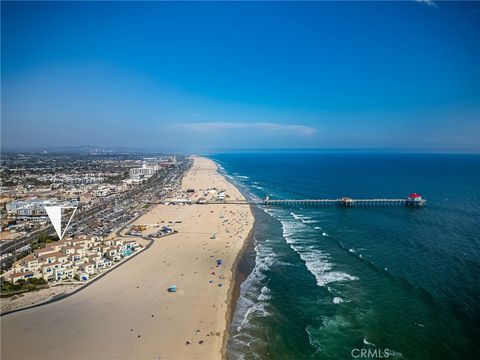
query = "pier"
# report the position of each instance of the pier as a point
(412, 200)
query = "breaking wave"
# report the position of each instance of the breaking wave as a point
(316, 261)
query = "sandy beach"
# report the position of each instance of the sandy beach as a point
(35, 297)
(128, 314)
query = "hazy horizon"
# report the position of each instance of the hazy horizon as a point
(207, 77)
(89, 149)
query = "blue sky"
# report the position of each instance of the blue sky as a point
(212, 76)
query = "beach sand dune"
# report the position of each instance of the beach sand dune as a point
(128, 314)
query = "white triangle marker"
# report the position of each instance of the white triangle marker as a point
(55, 215)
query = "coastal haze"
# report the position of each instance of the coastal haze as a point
(246, 180)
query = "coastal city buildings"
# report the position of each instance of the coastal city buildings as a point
(34, 209)
(78, 258)
(150, 166)
(33, 181)
(145, 171)
(99, 186)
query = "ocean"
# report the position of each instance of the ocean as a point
(339, 283)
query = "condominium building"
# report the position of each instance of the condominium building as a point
(73, 258)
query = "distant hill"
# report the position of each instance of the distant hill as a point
(82, 150)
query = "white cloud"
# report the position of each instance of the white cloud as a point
(428, 2)
(265, 127)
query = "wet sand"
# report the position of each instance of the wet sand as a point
(128, 314)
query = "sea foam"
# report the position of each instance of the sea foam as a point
(316, 261)
(367, 343)
(253, 300)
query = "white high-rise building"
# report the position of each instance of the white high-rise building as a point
(146, 170)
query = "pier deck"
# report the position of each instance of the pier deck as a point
(342, 202)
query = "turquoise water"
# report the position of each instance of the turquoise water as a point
(328, 282)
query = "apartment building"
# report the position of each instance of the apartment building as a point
(78, 258)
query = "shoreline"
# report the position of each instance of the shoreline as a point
(238, 277)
